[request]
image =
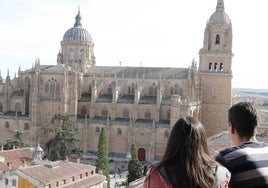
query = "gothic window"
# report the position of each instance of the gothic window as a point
(217, 39)
(97, 130)
(7, 125)
(119, 132)
(104, 112)
(83, 111)
(71, 54)
(26, 126)
(125, 113)
(166, 134)
(17, 107)
(47, 87)
(1, 107)
(52, 86)
(210, 66)
(151, 90)
(180, 91)
(110, 89)
(171, 91)
(176, 90)
(216, 66)
(168, 114)
(58, 88)
(147, 114)
(221, 67)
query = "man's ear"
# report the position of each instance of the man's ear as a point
(232, 128)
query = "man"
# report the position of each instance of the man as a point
(248, 159)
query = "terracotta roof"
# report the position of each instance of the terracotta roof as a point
(16, 157)
(88, 182)
(55, 171)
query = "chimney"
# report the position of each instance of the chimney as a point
(9, 164)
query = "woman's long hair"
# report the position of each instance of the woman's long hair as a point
(187, 160)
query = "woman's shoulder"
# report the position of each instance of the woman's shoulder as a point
(223, 175)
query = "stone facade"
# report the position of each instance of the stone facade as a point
(134, 104)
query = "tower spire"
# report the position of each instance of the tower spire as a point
(78, 19)
(220, 5)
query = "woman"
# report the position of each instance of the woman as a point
(186, 162)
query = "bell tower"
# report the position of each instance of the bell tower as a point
(215, 70)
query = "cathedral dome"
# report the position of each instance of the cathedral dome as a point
(219, 16)
(77, 32)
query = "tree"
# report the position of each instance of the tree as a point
(65, 142)
(135, 170)
(102, 156)
(17, 141)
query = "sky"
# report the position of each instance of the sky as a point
(148, 33)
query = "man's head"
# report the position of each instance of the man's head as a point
(243, 117)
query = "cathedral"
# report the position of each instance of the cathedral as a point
(134, 104)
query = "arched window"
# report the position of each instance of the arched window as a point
(7, 125)
(71, 54)
(171, 91)
(166, 134)
(168, 114)
(83, 111)
(104, 112)
(151, 90)
(81, 54)
(216, 66)
(1, 107)
(110, 89)
(217, 39)
(47, 87)
(26, 126)
(119, 132)
(176, 89)
(125, 113)
(221, 67)
(210, 66)
(97, 130)
(52, 86)
(17, 107)
(147, 114)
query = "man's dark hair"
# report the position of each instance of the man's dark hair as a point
(244, 118)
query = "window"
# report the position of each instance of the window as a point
(73, 178)
(110, 89)
(125, 113)
(82, 54)
(6, 181)
(171, 91)
(166, 134)
(151, 90)
(210, 66)
(71, 54)
(83, 111)
(216, 66)
(131, 89)
(221, 67)
(1, 107)
(97, 131)
(119, 132)
(176, 89)
(7, 125)
(14, 182)
(104, 112)
(147, 114)
(217, 39)
(17, 107)
(26, 126)
(52, 86)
